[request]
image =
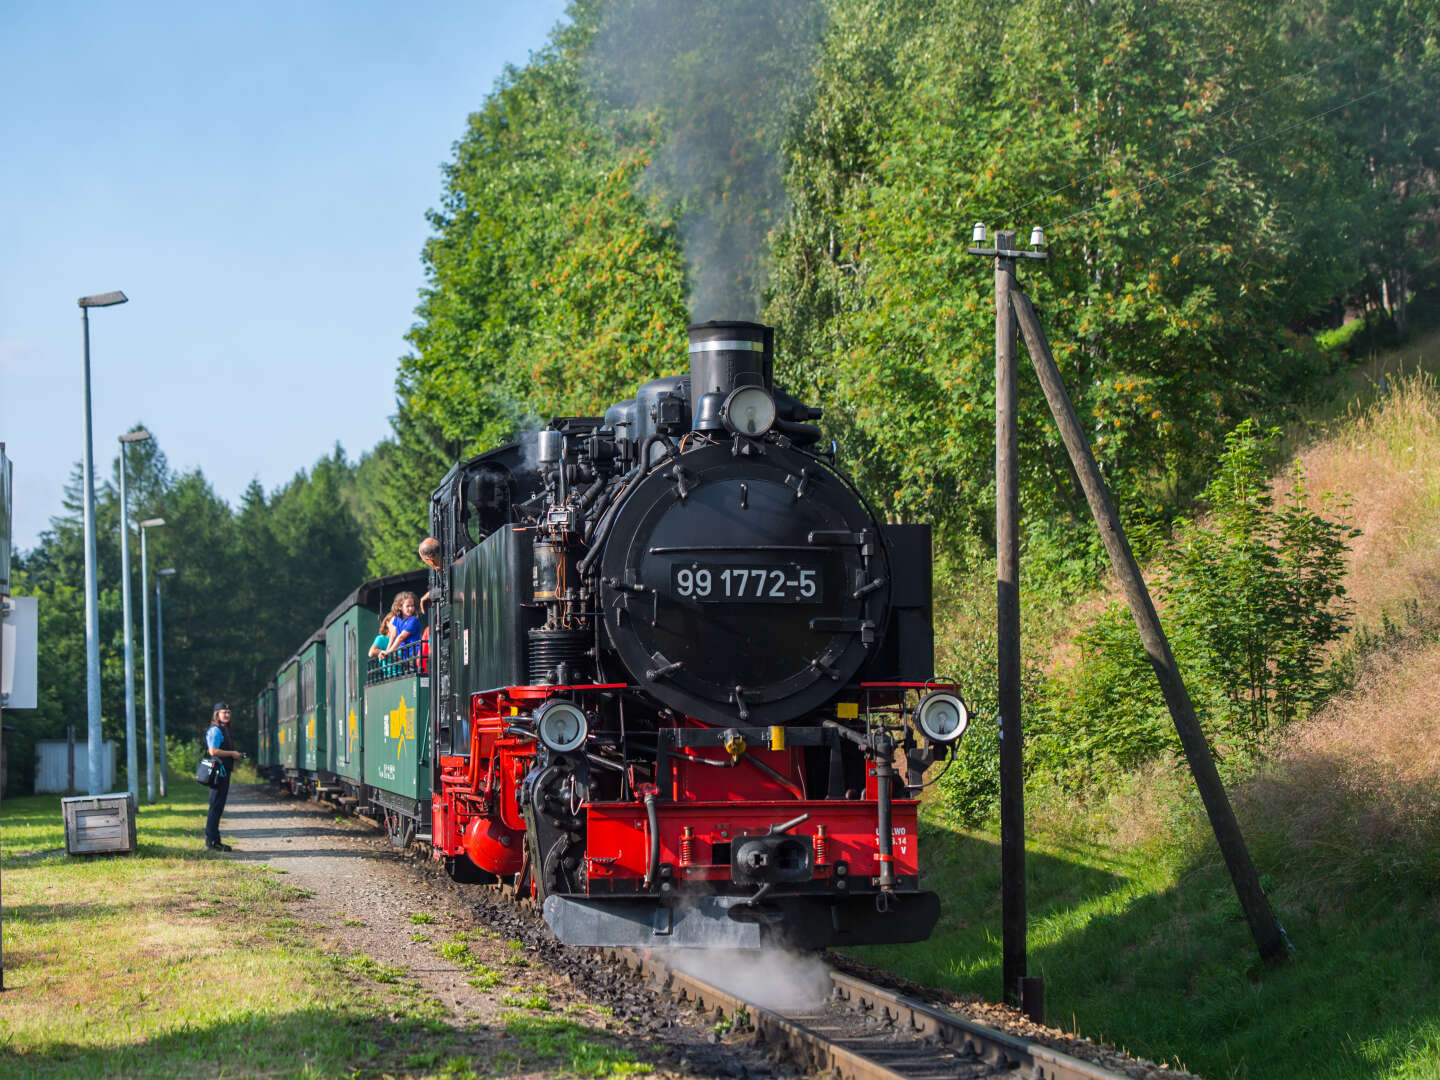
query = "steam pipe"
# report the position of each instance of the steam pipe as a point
(624, 482)
(602, 528)
(844, 732)
(884, 772)
(795, 430)
(592, 493)
(652, 866)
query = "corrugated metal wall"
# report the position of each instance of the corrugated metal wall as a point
(50, 766)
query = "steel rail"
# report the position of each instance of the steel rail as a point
(975, 1044)
(994, 1046)
(904, 1019)
(789, 1037)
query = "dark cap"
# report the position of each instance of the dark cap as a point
(218, 706)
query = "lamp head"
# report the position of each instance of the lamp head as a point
(138, 435)
(108, 299)
(169, 571)
(151, 523)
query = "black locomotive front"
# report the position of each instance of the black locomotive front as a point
(680, 583)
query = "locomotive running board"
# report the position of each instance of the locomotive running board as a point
(726, 922)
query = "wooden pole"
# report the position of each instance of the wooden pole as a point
(1269, 935)
(1007, 595)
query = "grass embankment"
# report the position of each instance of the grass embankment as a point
(175, 962)
(1133, 921)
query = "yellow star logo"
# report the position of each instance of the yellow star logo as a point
(402, 725)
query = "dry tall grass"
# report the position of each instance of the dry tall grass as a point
(1387, 460)
(1355, 789)
(1353, 793)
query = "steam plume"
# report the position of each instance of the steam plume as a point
(783, 981)
(721, 78)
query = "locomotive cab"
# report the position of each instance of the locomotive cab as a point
(685, 676)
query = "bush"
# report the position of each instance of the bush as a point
(1253, 593)
(970, 784)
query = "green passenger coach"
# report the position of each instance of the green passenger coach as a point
(349, 629)
(397, 724)
(287, 685)
(312, 705)
(267, 755)
(338, 723)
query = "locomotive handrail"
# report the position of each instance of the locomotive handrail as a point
(728, 547)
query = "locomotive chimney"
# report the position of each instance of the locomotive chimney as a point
(724, 356)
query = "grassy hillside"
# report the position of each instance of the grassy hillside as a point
(1133, 921)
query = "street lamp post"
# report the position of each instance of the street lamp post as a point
(92, 592)
(160, 666)
(132, 765)
(151, 523)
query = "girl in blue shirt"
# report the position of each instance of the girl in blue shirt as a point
(406, 628)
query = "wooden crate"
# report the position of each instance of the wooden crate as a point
(99, 824)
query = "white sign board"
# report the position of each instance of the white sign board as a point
(19, 651)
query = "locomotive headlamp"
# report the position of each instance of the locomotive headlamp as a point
(748, 410)
(561, 726)
(942, 717)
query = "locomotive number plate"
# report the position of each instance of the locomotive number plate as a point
(716, 582)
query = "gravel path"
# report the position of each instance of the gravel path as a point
(364, 894)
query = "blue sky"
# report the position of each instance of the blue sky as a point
(255, 178)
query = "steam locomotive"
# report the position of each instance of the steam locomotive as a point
(683, 689)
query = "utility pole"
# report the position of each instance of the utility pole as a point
(169, 571)
(1007, 608)
(145, 526)
(1269, 935)
(132, 766)
(1018, 988)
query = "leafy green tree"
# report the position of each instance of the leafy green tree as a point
(1167, 292)
(1376, 64)
(550, 289)
(249, 588)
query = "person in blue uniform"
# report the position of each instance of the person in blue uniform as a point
(219, 747)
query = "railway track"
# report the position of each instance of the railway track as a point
(859, 1031)
(867, 1032)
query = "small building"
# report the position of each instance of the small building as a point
(51, 771)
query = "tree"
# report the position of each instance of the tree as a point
(1169, 286)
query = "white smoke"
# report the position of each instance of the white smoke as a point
(781, 980)
(721, 79)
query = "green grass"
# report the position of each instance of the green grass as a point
(551, 1041)
(457, 952)
(176, 962)
(1147, 949)
(537, 999)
